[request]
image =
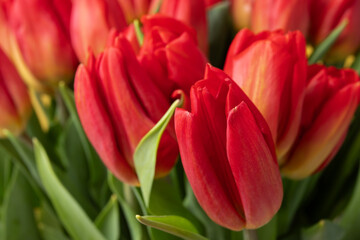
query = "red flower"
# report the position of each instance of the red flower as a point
(326, 15)
(332, 96)
(170, 54)
(228, 154)
(14, 100)
(118, 104)
(41, 28)
(190, 12)
(270, 67)
(91, 22)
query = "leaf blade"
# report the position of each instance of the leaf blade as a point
(145, 152)
(175, 225)
(74, 219)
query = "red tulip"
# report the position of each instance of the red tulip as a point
(14, 100)
(332, 96)
(326, 15)
(271, 69)
(170, 54)
(118, 104)
(91, 22)
(280, 14)
(192, 13)
(228, 154)
(41, 28)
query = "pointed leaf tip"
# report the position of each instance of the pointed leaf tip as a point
(146, 151)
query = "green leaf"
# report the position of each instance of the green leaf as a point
(48, 224)
(25, 152)
(75, 177)
(136, 230)
(213, 230)
(145, 152)
(268, 231)
(18, 210)
(219, 33)
(49, 233)
(108, 221)
(165, 200)
(74, 219)
(96, 168)
(175, 225)
(138, 32)
(324, 230)
(356, 64)
(323, 47)
(350, 219)
(5, 174)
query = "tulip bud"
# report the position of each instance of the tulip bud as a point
(41, 28)
(91, 22)
(14, 100)
(332, 96)
(327, 15)
(228, 154)
(166, 40)
(280, 14)
(192, 13)
(118, 104)
(271, 69)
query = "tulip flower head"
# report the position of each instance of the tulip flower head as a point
(228, 154)
(170, 54)
(332, 96)
(44, 46)
(270, 67)
(327, 15)
(118, 104)
(14, 100)
(91, 22)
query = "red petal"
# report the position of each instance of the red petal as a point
(98, 126)
(255, 170)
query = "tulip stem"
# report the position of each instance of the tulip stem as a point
(250, 234)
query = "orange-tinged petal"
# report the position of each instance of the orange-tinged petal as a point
(328, 129)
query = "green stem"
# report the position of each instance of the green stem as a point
(250, 234)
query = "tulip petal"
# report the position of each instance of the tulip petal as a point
(183, 68)
(255, 171)
(98, 126)
(195, 143)
(329, 127)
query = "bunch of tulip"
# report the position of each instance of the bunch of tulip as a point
(169, 119)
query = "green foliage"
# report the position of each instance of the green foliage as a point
(146, 151)
(175, 225)
(74, 219)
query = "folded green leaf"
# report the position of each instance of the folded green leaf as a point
(356, 64)
(74, 219)
(18, 208)
(175, 225)
(95, 166)
(323, 47)
(324, 230)
(350, 220)
(145, 152)
(25, 153)
(108, 221)
(136, 230)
